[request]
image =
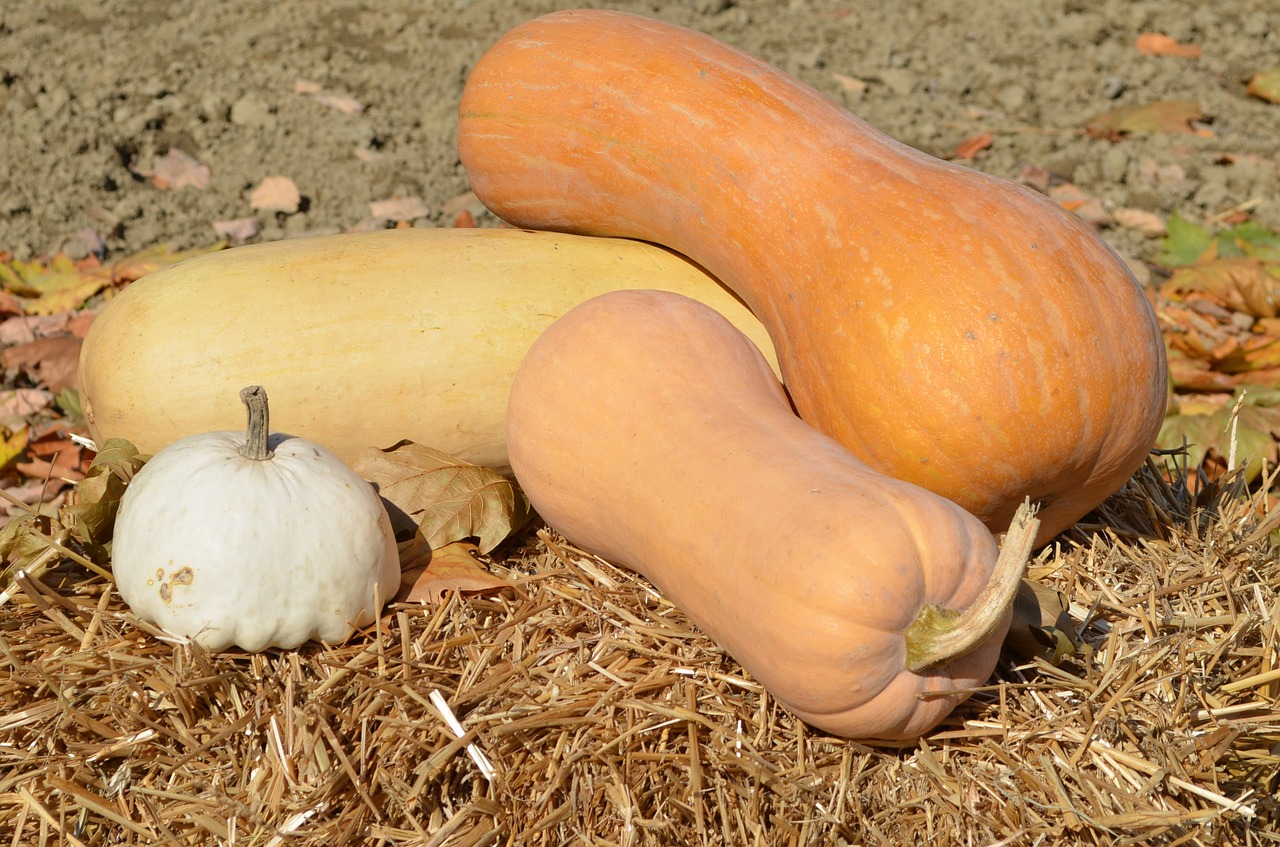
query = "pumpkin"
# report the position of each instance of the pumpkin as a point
(364, 339)
(649, 431)
(953, 329)
(250, 540)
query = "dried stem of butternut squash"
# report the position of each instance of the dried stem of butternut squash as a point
(940, 635)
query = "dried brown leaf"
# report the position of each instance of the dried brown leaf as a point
(50, 361)
(442, 497)
(17, 404)
(240, 229)
(1141, 221)
(973, 145)
(1242, 283)
(1041, 627)
(453, 567)
(179, 170)
(97, 498)
(848, 83)
(1084, 205)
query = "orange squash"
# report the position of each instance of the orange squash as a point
(649, 431)
(952, 329)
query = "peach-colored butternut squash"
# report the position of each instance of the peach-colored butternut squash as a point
(649, 431)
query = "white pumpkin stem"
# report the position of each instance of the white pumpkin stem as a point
(939, 635)
(257, 444)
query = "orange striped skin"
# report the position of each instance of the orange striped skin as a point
(952, 329)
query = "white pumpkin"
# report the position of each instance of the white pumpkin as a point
(234, 539)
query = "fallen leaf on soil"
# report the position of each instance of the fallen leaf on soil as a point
(341, 102)
(1188, 242)
(1185, 243)
(1035, 176)
(1265, 85)
(51, 361)
(1163, 116)
(1158, 44)
(453, 567)
(973, 145)
(1075, 199)
(851, 84)
(442, 498)
(398, 209)
(178, 170)
(240, 229)
(1140, 220)
(276, 194)
(49, 289)
(1172, 176)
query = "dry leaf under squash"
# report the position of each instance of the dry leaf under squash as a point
(453, 567)
(441, 497)
(1041, 626)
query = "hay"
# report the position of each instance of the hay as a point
(609, 720)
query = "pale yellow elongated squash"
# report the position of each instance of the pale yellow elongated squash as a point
(360, 339)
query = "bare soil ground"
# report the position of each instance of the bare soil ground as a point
(607, 717)
(95, 93)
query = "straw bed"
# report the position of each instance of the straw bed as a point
(607, 719)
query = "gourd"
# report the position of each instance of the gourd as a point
(951, 328)
(649, 431)
(251, 540)
(364, 339)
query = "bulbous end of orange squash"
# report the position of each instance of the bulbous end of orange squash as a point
(951, 328)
